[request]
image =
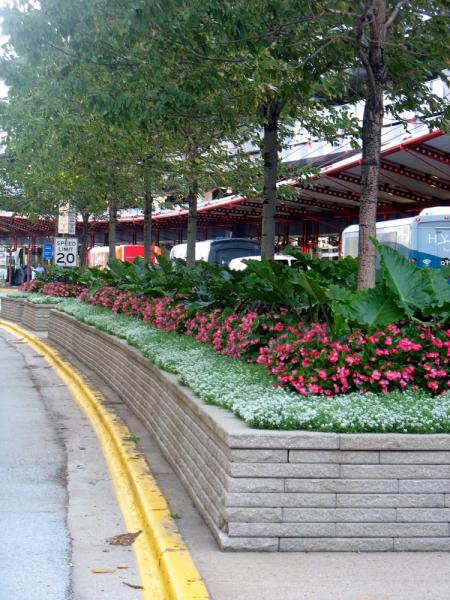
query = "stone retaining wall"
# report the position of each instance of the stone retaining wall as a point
(280, 490)
(35, 316)
(12, 308)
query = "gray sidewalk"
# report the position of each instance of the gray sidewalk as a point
(286, 576)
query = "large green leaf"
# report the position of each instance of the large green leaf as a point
(438, 313)
(317, 292)
(337, 292)
(370, 308)
(409, 284)
(439, 285)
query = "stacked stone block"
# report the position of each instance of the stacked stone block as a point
(35, 316)
(280, 491)
(12, 308)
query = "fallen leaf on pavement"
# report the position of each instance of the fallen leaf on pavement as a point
(135, 587)
(124, 539)
(103, 570)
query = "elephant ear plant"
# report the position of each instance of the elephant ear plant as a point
(403, 291)
(310, 291)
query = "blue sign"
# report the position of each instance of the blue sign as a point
(48, 250)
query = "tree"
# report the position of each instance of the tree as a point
(273, 57)
(401, 45)
(62, 150)
(174, 89)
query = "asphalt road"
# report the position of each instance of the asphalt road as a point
(34, 540)
(57, 504)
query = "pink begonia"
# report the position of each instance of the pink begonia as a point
(392, 375)
(407, 345)
(301, 356)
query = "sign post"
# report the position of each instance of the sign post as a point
(47, 251)
(67, 219)
(66, 252)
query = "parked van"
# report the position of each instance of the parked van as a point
(238, 264)
(219, 251)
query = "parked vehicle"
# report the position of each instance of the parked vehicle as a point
(128, 252)
(98, 256)
(424, 239)
(219, 251)
(238, 264)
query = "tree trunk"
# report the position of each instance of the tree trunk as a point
(192, 224)
(148, 207)
(84, 239)
(270, 155)
(112, 228)
(371, 144)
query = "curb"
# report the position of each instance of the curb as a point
(166, 568)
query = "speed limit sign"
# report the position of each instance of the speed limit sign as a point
(66, 252)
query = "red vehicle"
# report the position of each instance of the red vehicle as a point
(128, 253)
(98, 255)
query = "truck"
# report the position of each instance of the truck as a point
(98, 256)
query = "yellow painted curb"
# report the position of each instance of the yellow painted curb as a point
(165, 565)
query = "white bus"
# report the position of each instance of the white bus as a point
(424, 239)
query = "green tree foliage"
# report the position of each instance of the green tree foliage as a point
(112, 99)
(272, 59)
(393, 48)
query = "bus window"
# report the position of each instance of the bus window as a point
(350, 244)
(387, 237)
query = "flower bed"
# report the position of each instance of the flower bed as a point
(247, 389)
(410, 357)
(53, 288)
(302, 357)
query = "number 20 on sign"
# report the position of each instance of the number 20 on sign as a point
(66, 251)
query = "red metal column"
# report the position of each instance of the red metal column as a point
(10, 267)
(29, 264)
(304, 236)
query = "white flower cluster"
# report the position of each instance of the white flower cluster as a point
(40, 299)
(248, 391)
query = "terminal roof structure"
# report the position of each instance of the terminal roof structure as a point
(415, 174)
